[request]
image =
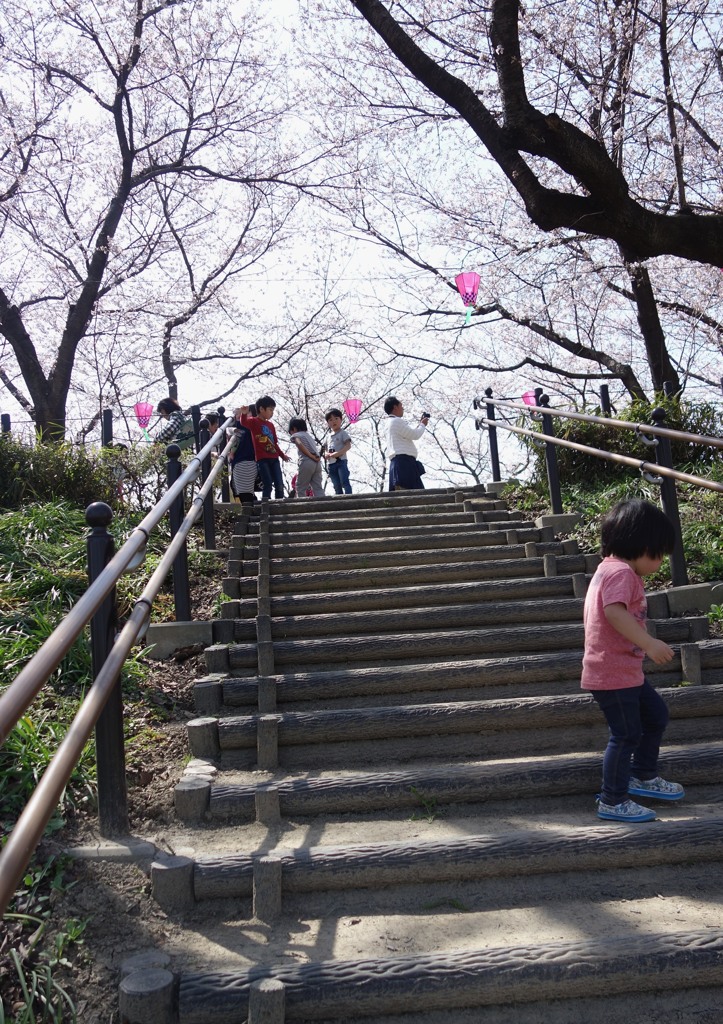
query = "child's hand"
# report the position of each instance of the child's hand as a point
(285, 457)
(241, 411)
(330, 455)
(659, 652)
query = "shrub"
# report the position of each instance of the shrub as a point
(132, 477)
(588, 471)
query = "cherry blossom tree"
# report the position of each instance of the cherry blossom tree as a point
(473, 152)
(144, 147)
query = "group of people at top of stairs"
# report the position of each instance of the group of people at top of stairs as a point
(635, 536)
(258, 454)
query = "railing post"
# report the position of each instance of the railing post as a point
(494, 450)
(605, 406)
(181, 589)
(225, 488)
(553, 475)
(106, 429)
(5, 418)
(109, 744)
(196, 420)
(209, 528)
(669, 501)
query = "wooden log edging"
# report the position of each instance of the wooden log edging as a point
(420, 575)
(529, 777)
(427, 541)
(468, 858)
(477, 673)
(451, 594)
(462, 643)
(484, 716)
(383, 620)
(465, 978)
(399, 559)
(398, 530)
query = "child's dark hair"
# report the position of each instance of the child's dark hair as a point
(265, 402)
(391, 403)
(297, 424)
(167, 405)
(634, 528)
(334, 412)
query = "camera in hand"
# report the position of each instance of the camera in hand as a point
(423, 415)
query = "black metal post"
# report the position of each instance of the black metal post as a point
(494, 450)
(196, 420)
(5, 418)
(605, 407)
(553, 475)
(225, 487)
(106, 429)
(209, 527)
(669, 501)
(109, 743)
(181, 588)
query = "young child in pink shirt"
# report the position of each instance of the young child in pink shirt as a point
(635, 536)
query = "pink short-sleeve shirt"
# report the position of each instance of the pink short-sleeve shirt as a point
(610, 661)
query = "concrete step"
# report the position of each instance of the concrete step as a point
(416, 862)
(388, 528)
(414, 619)
(427, 540)
(364, 503)
(531, 566)
(355, 990)
(486, 551)
(481, 730)
(452, 680)
(367, 793)
(429, 645)
(451, 516)
(448, 594)
(475, 678)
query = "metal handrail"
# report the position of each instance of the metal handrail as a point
(606, 421)
(26, 686)
(626, 460)
(31, 824)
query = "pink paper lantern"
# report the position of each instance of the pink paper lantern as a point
(143, 411)
(352, 407)
(468, 286)
(529, 398)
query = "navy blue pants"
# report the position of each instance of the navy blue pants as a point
(637, 717)
(271, 476)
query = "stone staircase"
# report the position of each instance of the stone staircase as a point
(389, 807)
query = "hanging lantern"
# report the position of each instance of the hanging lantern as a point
(468, 286)
(529, 398)
(143, 411)
(352, 407)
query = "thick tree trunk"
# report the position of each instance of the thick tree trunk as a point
(662, 370)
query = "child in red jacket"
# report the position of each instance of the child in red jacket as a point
(266, 446)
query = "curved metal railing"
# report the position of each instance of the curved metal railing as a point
(15, 701)
(661, 471)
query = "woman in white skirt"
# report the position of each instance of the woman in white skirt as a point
(243, 463)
